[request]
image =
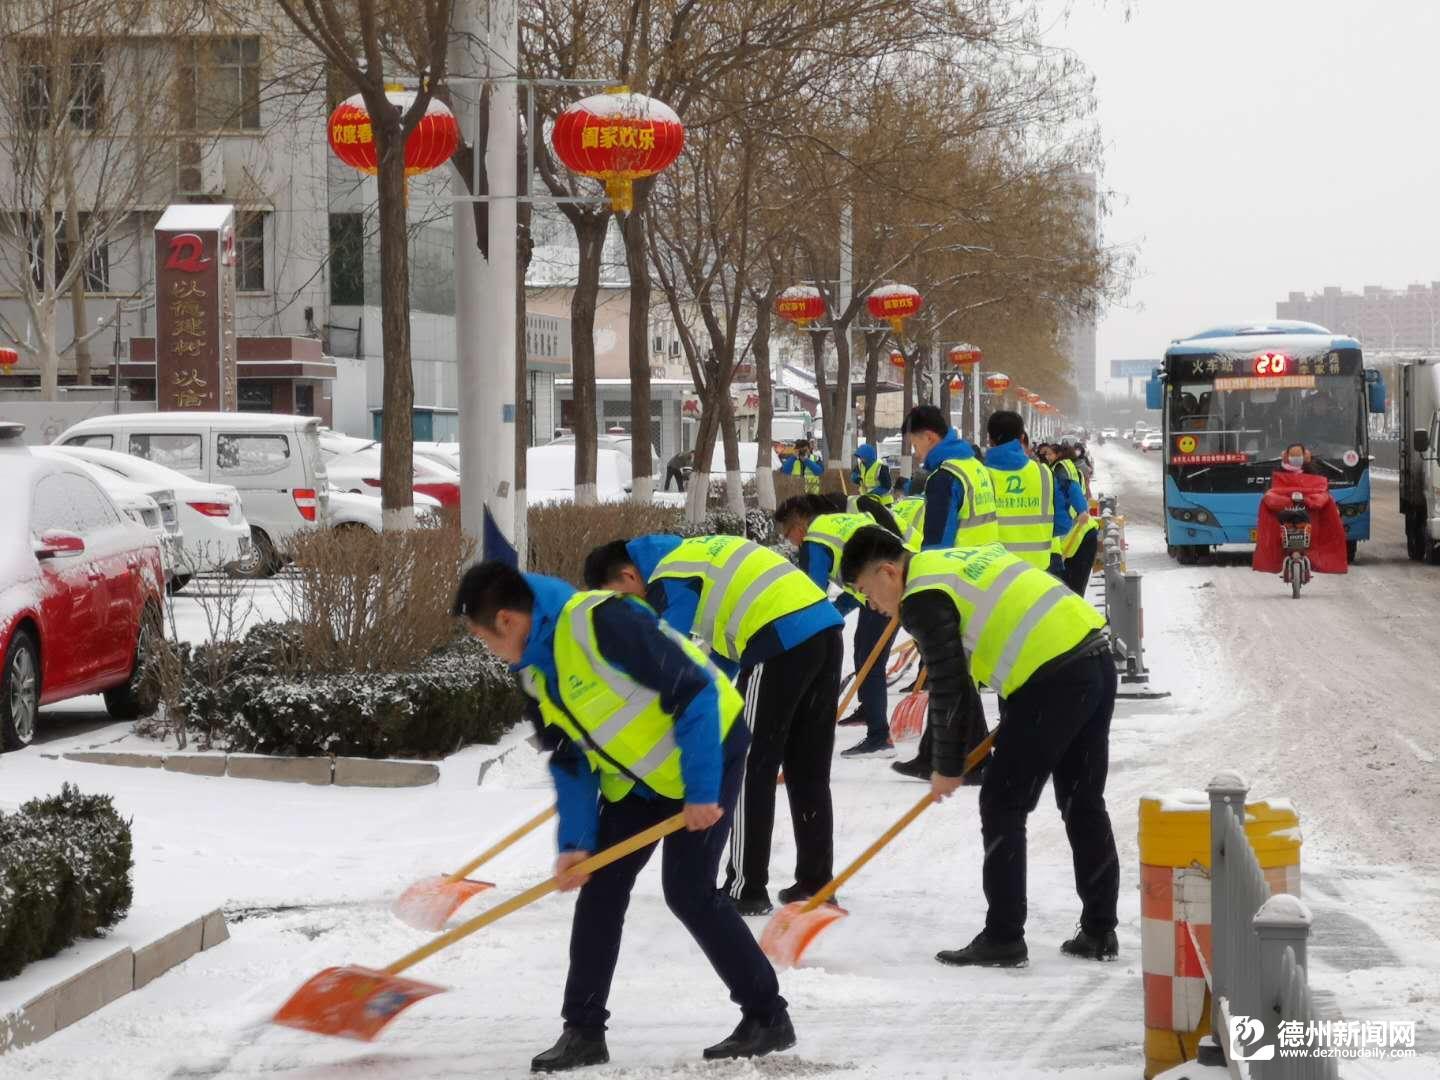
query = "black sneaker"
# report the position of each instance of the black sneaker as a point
(798, 892)
(868, 747)
(577, 1048)
(753, 1039)
(915, 769)
(853, 720)
(1087, 946)
(985, 952)
(753, 905)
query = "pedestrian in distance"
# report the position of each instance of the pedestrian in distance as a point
(1077, 533)
(985, 615)
(770, 626)
(801, 464)
(675, 469)
(811, 523)
(640, 727)
(870, 475)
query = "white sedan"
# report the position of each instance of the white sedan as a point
(211, 515)
(1153, 440)
(351, 509)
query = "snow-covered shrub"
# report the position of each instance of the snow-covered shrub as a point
(65, 868)
(562, 534)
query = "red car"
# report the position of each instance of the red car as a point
(81, 594)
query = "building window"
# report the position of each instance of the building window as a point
(220, 84)
(257, 397)
(250, 253)
(304, 399)
(347, 259)
(44, 80)
(97, 255)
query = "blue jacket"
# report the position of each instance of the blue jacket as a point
(1070, 501)
(816, 562)
(944, 495)
(677, 600)
(867, 455)
(629, 638)
(808, 464)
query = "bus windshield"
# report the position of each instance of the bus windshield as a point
(1237, 416)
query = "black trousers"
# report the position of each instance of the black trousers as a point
(790, 706)
(677, 476)
(1058, 726)
(1081, 565)
(688, 864)
(874, 693)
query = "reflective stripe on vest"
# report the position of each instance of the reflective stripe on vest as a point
(975, 523)
(870, 481)
(797, 468)
(832, 532)
(1013, 618)
(1082, 525)
(743, 588)
(625, 733)
(909, 514)
(1025, 511)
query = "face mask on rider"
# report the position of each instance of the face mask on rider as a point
(1295, 462)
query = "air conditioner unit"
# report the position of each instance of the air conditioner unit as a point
(200, 169)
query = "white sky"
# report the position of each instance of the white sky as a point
(1258, 147)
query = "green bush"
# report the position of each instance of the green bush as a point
(65, 868)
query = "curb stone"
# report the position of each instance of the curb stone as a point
(320, 770)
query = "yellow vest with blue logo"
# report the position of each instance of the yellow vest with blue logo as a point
(1025, 511)
(796, 467)
(743, 588)
(832, 532)
(1081, 525)
(870, 482)
(909, 514)
(1014, 619)
(975, 522)
(620, 725)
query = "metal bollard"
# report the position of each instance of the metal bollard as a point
(1282, 923)
(1227, 791)
(1128, 621)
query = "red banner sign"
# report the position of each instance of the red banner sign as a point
(195, 350)
(1209, 459)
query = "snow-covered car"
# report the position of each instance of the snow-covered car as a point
(1153, 440)
(447, 454)
(212, 520)
(145, 503)
(624, 444)
(80, 592)
(351, 509)
(359, 471)
(550, 474)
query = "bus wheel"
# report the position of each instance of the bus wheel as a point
(1414, 536)
(1188, 556)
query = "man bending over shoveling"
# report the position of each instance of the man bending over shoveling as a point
(640, 726)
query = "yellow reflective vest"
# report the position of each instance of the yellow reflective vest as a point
(743, 588)
(796, 467)
(975, 522)
(620, 725)
(1081, 525)
(832, 532)
(909, 514)
(1025, 511)
(870, 483)
(1014, 619)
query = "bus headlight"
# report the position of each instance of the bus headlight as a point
(1353, 509)
(1193, 515)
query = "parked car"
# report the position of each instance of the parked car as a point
(624, 444)
(1153, 440)
(216, 534)
(81, 593)
(447, 454)
(272, 459)
(550, 474)
(359, 471)
(1108, 433)
(351, 509)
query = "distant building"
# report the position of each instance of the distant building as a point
(1379, 318)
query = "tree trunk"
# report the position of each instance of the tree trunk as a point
(397, 434)
(734, 485)
(765, 422)
(822, 384)
(697, 494)
(48, 355)
(77, 286)
(907, 402)
(837, 414)
(590, 232)
(524, 248)
(873, 341)
(632, 230)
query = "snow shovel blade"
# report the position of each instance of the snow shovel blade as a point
(908, 720)
(351, 1002)
(428, 904)
(791, 930)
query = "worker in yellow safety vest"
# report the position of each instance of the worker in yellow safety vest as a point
(983, 615)
(1024, 491)
(802, 464)
(768, 624)
(870, 475)
(640, 727)
(959, 498)
(1077, 533)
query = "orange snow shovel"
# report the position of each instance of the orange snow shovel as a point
(355, 1002)
(792, 928)
(908, 719)
(428, 904)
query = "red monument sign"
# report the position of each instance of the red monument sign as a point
(195, 354)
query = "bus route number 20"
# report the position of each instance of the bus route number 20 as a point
(1272, 363)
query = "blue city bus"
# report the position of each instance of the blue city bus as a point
(1232, 399)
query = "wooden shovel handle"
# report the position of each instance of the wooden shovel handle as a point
(920, 680)
(864, 672)
(971, 761)
(536, 892)
(505, 842)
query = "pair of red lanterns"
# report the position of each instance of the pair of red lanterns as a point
(616, 137)
(805, 304)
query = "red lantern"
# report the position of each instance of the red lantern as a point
(8, 358)
(429, 146)
(800, 304)
(1033, 398)
(964, 355)
(997, 382)
(897, 358)
(618, 137)
(957, 383)
(894, 304)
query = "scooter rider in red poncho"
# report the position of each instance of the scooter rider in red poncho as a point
(1327, 534)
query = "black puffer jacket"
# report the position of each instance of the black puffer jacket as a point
(957, 719)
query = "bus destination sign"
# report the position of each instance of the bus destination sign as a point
(1263, 366)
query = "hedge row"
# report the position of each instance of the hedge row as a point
(65, 868)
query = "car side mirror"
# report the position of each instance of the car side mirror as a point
(57, 543)
(1420, 440)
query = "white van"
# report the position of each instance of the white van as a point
(272, 459)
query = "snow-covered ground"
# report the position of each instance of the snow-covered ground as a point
(306, 872)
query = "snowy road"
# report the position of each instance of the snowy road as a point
(1355, 749)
